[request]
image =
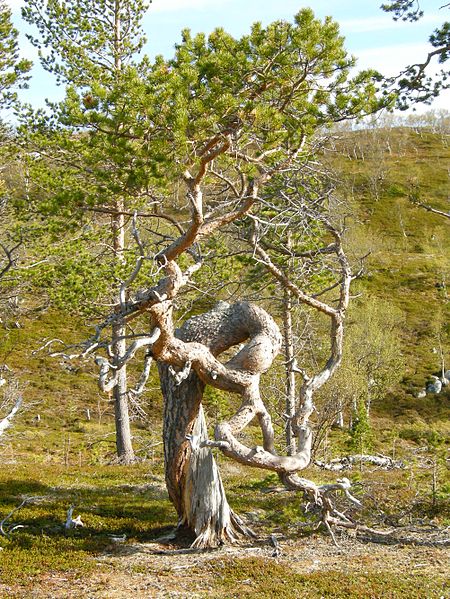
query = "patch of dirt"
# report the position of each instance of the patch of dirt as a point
(157, 570)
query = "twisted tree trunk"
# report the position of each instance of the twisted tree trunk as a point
(192, 477)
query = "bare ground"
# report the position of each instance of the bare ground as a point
(156, 570)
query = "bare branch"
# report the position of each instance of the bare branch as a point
(138, 214)
(72, 522)
(287, 283)
(6, 531)
(433, 210)
(9, 257)
(5, 423)
(140, 385)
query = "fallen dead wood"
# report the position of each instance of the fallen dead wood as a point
(5, 423)
(406, 535)
(347, 462)
(6, 530)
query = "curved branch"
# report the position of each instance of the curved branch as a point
(433, 210)
(9, 257)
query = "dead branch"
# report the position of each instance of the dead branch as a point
(140, 385)
(431, 209)
(72, 522)
(9, 257)
(347, 462)
(336, 315)
(7, 530)
(6, 422)
(155, 215)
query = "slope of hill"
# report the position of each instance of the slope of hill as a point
(380, 172)
(60, 449)
(383, 172)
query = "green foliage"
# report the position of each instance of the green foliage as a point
(71, 273)
(78, 41)
(420, 434)
(372, 364)
(125, 133)
(250, 576)
(407, 10)
(218, 404)
(361, 434)
(13, 70)
(407, 265)
(108, 507)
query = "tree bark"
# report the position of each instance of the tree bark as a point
(124, 447)
(192, 477)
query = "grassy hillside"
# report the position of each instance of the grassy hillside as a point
(64, 457)
(408, 267)
(381, 173)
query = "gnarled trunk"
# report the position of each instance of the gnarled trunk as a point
(192, 477)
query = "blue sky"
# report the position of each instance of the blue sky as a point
(371, 34)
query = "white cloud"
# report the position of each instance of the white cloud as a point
(14, 4)
(172, 5)
(381, 23)
(390, 60)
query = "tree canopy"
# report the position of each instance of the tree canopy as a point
(212, 142)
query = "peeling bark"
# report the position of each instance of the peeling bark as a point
(192, 478)
(205, 506)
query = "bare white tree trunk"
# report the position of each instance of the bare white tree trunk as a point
(290, 374)
(5, 423)
(124, 447)
(340, 415)
(206, 509)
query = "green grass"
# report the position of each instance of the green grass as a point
(259, 577)
(410, 248)
(114, 500)
(132, 501)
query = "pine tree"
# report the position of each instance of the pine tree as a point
(13, 69)
(84, 154)
(197, 140)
